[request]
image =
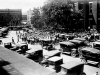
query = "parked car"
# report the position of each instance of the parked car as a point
(94, 37)
(55, 62)
(35, 54)
(83, 41)
(46, 42)
(98, 40)
(23, 47)
(92, 54)
(49, 55)
(69, 48)
(96, 45)
(78, 43)
(4, 31)
(80, 39)
(64, 37)
(72, 68)
(8, 45)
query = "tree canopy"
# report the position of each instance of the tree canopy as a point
(57, 14)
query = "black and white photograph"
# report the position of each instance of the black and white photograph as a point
(50, 37)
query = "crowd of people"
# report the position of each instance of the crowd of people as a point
(36, 35)
(33, 36)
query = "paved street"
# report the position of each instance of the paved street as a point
(89, 70)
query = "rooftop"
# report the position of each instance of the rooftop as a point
(93, 50)
(67, 43)
(55, 58)
(71, 64)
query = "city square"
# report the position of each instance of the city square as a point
(52, 40)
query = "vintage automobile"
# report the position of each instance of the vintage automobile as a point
(4, 31)
(52, 53)
(78, 43)
(81, 39)
(69, 48)
(96, 45)
(33, 40)
(30, 40)
(35, 54)
(25, 29)
(47, 44)
(20, 47)
(49, 55)
(23, 47)
(98, 40)
(91, 54)
(94, 37)
(61, 37)
(55, 62)
(64, 37)
(8, 45)
(72, 68)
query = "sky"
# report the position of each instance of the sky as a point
(25, 5)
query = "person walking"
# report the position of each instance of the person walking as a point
(16, 32)
(17, 38)
(1, 42)
(13, 40)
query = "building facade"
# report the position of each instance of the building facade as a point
(29, 15)
(91, 13)
(10, 17)
(24, 19)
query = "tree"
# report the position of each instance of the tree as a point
(55, 15)
(36, 19)
(59, 14)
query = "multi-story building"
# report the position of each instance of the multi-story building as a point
(29, 15)
(24, 19)
(98, 15)
(10, 17)
(91, 13)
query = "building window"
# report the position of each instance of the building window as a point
(90, 7)
(91, 22)
(99, 6)
(99, 19)
(80, 6)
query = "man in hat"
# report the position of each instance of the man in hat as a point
(13, 40)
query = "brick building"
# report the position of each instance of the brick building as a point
(91, 13)
(10, 17)
(24, 19)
